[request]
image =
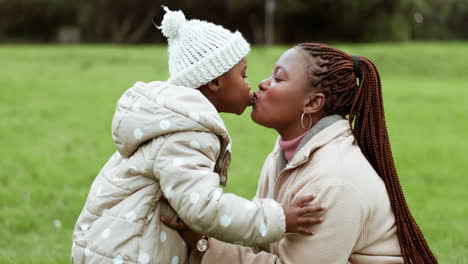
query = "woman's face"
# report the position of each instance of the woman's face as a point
(280, 101)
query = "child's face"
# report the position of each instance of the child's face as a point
(235, 91)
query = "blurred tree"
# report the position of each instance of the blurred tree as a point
(36, 20)
(362, 20)
(440, 19)
(123, 21)
(118, 21)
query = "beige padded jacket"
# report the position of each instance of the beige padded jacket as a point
(173, 153)
(359, 224)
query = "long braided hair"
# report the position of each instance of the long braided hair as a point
(337, 79)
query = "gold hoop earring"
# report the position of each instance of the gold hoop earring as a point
(302, 121)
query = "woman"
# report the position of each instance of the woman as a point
(312, 89)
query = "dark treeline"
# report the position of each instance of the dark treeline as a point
(129, 21)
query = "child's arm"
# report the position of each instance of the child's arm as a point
(294, 223)
(187, 179)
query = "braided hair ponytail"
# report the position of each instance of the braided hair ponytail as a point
(337, 79)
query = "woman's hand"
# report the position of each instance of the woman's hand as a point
(300, 216)
(191, 237)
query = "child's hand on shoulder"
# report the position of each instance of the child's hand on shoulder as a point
(190, 237)
(300, 216)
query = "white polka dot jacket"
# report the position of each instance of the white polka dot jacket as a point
(173, 152)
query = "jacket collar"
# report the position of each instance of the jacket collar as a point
(325, 130)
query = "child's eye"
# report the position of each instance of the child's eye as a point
(245, 76)
(277, 80)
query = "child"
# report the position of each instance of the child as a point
(173, 152)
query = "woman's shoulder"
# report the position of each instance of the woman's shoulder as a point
(341, 164)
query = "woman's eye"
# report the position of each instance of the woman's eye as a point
(277, 80)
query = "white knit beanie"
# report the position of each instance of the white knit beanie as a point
(199, 51)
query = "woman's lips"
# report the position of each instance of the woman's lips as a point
(253, 100)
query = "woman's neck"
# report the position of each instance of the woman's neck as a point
(289, 146)
(291, 133)
(296, 129)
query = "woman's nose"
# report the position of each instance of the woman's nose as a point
(263, 85)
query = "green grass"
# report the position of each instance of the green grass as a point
(56, 105)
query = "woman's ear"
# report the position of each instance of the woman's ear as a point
(314, 103)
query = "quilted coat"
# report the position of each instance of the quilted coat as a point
(173, 153)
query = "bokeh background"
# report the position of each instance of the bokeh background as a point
(65, 63)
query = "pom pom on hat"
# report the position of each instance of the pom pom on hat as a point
(172, 22)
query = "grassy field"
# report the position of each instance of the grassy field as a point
(56, 105)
